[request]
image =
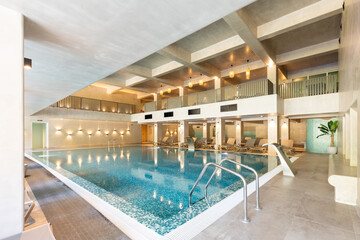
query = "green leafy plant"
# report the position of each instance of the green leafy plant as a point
(330, 129)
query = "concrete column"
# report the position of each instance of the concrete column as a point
(183, 131)
(353, 137)
(157, 133)
(272, 131)
(12, 122)
(272, 75)
(206, 130)
(183, 92)
(239, 132)
(284, 128)
(219, 133)
(219, 83)
(157, 99)
(347, 134)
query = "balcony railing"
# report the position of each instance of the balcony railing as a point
(311, 87)
(94, 105)
(244, 90)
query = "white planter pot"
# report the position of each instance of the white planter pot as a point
(332, 150)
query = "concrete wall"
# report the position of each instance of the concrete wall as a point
(12, 122)
(298, 130)
(349, 72)
(258, 129)
(62, 138)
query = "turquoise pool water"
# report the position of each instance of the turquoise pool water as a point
(152, 184)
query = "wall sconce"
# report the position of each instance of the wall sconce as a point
(175, 132)
(27, 63)
(122, 133)
(98, 131)
(107, 133)
(128, 131)
(80, 130)
(69, 133)
(90, 133)
(114, 131)
(167, 131)
(58, 130)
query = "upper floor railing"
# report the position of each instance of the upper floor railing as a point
(73, 102)
(244, 90)
(310, 87)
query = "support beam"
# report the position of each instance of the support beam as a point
(304, 16)
(241, 23)
(12, 134)
(147, 73)
(184, 57)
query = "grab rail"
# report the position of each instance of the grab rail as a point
(246, 219)
(242, 165)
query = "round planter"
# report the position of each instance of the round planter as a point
(332, 150)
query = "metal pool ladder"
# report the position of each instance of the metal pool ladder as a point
(217, 166)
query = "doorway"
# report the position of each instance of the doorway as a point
(39, 135)
(144, 133)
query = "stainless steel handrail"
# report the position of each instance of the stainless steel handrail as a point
(242, 165)
(246, 219)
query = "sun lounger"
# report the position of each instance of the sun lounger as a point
(288, 146)
(248, 145)
(230, 144)
(260, 148)
(29, 204)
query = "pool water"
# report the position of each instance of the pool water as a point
(152, 184)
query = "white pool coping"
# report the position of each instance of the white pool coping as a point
(138, 231)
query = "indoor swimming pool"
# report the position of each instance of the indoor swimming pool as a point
(151, 184)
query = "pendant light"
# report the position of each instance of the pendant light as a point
(247, 73)
(231, 73)
(201, 82)
(169, 90)
(190, 84)
(161, 91)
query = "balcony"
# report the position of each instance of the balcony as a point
(89, 104)
(244, 90)
(310, 87)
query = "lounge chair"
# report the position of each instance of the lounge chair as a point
(29, 204)
(288, 146)
(260, 148)
(210, 143)
(169, 142)
(248, 145)
(163, 141)
(200, 143)
(230, 144)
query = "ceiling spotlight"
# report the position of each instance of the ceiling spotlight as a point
(27, 63)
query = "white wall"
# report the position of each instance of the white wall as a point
(11, 105)
(349, 72)
(61, 139)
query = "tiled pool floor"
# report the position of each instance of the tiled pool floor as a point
(293, 208)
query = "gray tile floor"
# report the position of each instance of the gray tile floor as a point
(293, 208)
(69, 214)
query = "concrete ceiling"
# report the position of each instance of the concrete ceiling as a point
(153, 61)
(76, 43)
(263, 11)
(318, 32)
(183, 74)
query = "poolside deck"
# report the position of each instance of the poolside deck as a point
(293, 208)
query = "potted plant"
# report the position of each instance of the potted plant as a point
(330, 129)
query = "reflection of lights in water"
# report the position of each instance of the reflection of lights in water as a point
(204, 159)
(182, 164)
(114, 156)
(128, 156)
(154, 195)
(69, 159)
(238, 167)
(80, 161)
(181, 205)
(225, 153)
(106, 157)
(122, 154)
(98, 158)
(218, 172)
(89, 158)
(161, 198)
(169, 202)
(58, 164)
(179, 157)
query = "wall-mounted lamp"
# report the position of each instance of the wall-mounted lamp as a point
(122, 133)
(175, 132)
(167, 131)
(58, 130)
(98, 131)
(128, 131)
(114, 131)
(90, 133)
(106, 133)
(27, 63)
(80, 130)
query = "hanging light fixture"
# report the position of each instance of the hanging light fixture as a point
(201, 82)
(27, 63)
(169, 90)
(247, 73)
(190, 84)
(231, 73)
(161, 91)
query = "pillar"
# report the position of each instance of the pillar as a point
(157, 133)
(12, 133)
(206, 130)
(347, 134)
(183, 131)
(219, 84)
(353, 137)
(284, 126)
(272, 131)
(239, 132)
(183, 93)
(219, 133)
(272, 75)
(157, 100)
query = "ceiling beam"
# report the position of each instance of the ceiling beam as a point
(310, 51)
(242, 24)
(304, 16)
(182, 56)
(147, 74)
